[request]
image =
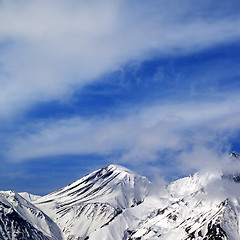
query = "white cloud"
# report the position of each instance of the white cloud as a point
(198, 131)
(50, 46)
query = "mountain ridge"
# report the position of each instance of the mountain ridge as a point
(115, 203)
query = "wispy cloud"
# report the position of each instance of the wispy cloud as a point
(47, 47)
(200, 133)
(51, 50)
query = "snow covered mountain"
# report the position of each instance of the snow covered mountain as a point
(115, 203)
(94, 200)
(200, 207)
(19, 219)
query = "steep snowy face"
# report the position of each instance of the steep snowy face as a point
(193, 183)
(202, 206)
(115, 185)
(29, 197)
(94, 200)
(235, 172)
(189, 219)
(19, 219)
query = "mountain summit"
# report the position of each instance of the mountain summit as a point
(115, 203)
(94, 200)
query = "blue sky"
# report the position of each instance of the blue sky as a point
(151, 85)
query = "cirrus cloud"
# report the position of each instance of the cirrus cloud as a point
(200, 135)
(48, 47)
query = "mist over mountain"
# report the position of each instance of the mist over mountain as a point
(115, 203)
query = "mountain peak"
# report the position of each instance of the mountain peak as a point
(99, 184)
(113, 203)
(108, 190)
(121, 170)
(118, 168)
(234, 154)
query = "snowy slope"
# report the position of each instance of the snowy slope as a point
(200, 207)
(115, 203)
(130, 218)
(29, 197)
(19, 219)
(94, 201)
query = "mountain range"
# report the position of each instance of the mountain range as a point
(115, 203)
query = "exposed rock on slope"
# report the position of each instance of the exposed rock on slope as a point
(19, 219)
(94, 200)
(115, 203)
